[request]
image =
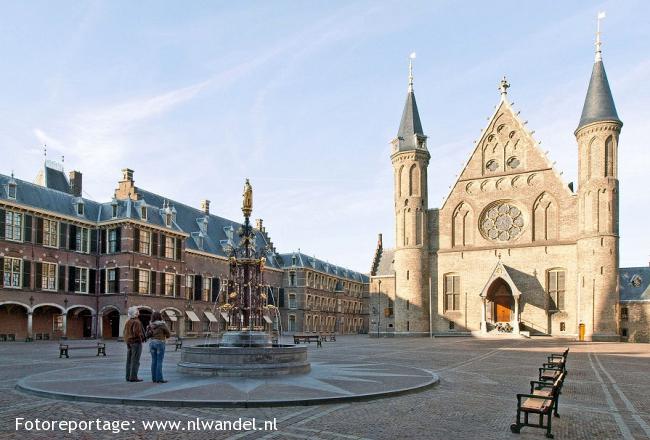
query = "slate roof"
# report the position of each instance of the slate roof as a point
(634, 283)
(305, 261)
(49, 199)
(386, 263)
(410, 123)
(599, 103)
(207, 233)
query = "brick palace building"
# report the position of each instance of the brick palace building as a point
(71, 267)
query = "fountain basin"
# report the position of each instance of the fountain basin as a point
(217, 360)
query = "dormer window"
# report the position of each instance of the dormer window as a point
(168, 219)
(12, 190)
(80, 208)
(114, 210)
(293, 260)
(143, 212)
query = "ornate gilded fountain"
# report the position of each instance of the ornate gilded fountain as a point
(246, 348)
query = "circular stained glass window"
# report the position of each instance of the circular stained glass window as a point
(501, 221)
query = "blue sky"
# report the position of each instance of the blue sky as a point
(304, 97)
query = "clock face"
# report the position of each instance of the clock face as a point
(501, 221)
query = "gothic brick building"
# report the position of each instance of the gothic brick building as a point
(513, 247)
(71, 267)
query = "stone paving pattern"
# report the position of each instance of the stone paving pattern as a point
(606, 394)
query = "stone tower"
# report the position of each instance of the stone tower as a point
(410, 159)
(597, 136)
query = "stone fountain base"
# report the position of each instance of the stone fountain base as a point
(244, 354)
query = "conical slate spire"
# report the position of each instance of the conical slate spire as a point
(410, 123)
(599, 103)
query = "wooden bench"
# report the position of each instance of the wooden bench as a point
(548, 389)
(541, 401)
(64, 348)
(331, 337)
(550, 372)
(307, 338)
(176, 341)
(559, 359)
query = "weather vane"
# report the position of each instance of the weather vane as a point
(411, 58)
(599, 53)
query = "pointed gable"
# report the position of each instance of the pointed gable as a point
(500, 271)
(505, 147)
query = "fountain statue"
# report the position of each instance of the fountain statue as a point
(246, 347)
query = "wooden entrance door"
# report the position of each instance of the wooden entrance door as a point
(502, 308)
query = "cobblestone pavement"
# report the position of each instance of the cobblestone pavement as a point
(606, 394)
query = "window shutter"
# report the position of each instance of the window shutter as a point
(27, 272)
(197, 288)
(103, 238)
(281, 297)
(136, 280)
(38, 276)
(136, 240)
(179, 248)
(118, 239)
(2, 268)
(72, 238)
(177, 286)
(117, 280)
(154, 244)
(92, 281)
(2, 223)
(93, 241)
(63, 232)
(28, 228)
(39, 230)
(71, 277)
(102, 281)
(61, 278)
(162, 283)
(215, 289)
(152, 279)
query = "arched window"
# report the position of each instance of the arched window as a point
(556, 288)
(414, 181)
(609, 157)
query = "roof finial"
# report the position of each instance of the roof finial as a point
(44, 150)
(411, 58)
(599, 52)
(504, 86)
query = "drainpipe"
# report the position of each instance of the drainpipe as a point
(430, 310)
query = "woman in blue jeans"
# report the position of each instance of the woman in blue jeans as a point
(158, 332)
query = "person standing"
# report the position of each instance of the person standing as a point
(134, 337)
(158, 332)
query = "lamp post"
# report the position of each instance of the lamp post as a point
(379, 307)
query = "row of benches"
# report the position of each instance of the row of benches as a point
(316, 337)
(543, 399)
(65, 347)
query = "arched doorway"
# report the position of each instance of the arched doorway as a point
(110, 323)
(13, 321)
(80, 322)
(48, 321)
(501, 301)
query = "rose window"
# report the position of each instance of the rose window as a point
(502, 221)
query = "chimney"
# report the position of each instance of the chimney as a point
(75, 183)
(205, 206)
(127, 175)
(126, 187)
(259, 225)
(379, 241)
